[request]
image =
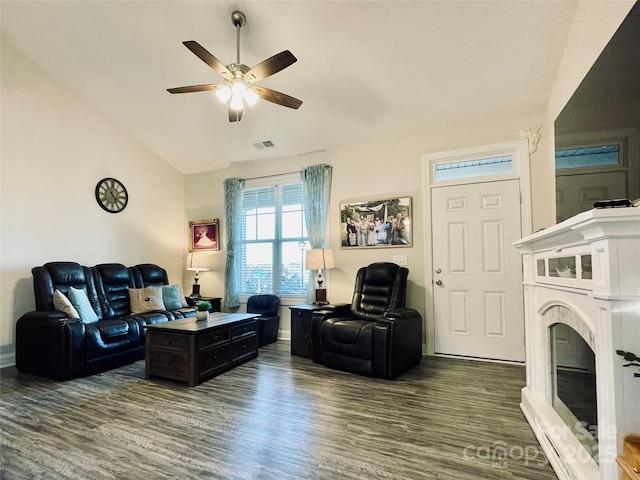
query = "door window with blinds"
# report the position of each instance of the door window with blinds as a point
(273, 241)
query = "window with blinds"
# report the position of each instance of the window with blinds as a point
(273, 241)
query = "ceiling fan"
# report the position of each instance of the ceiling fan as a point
(239, 88)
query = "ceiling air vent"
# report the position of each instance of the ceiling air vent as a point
(265, 144)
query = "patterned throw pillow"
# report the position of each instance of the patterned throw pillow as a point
(146, 299)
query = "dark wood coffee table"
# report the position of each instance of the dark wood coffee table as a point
(192, 351)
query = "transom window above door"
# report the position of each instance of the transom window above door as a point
(582, 157)
(481, 167)
(485, 163)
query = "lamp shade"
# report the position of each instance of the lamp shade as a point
(198, 262)
(223, 94)
(319, 259)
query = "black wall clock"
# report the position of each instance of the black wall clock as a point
(111, 195)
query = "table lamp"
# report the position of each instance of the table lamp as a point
(320, 259)
(197, 262)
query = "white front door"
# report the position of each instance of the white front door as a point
(478, 301)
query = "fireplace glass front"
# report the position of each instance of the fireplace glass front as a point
(573, 383)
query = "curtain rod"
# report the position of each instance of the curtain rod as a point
(272, 175)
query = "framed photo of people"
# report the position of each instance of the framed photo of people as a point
(376, 223)
(204, 235)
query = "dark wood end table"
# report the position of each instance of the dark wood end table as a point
(216, 305)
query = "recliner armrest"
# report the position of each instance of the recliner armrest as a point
(51, 344)
(47, 316)
(397, 342)
(339, 308)
(185, 312)
(401, 322)
(402, 313)
(320, 316)
(317, 318)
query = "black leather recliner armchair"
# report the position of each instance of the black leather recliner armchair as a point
(375, 335)
(268, 306)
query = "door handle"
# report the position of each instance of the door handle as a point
(438, 282)
(438, 270)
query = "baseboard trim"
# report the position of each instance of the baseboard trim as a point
(7, 359)
(479, 359)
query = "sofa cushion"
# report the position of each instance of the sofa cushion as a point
(351, 338)
(111, 343)
(146, 299)
(347, 330)
(80, 302)
(149, 275)
(113, 330)
(171, 297)
(113, 281)
(151, 318)
(62, 304)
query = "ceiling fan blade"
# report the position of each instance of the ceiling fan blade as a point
(277, 97)
(270, 66)
(235, 115)
(204, 55)
(195, 88)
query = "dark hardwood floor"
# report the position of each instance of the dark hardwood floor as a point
(275, 417)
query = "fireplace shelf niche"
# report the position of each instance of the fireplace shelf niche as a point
(583, 273)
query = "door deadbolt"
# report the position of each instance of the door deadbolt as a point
(438, 270)
(438, 282)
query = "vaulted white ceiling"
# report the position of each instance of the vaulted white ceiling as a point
(366, 69)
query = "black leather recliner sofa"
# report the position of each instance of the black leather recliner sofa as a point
(48, 343)
(375, 335)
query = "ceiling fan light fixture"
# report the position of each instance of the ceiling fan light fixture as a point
(251, 97)
(237, 103)
(238, 92)
(223, 94)
(238, 89)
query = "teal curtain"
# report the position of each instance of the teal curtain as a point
(316, 191)
(233, 212)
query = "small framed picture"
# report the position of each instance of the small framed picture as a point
(204, 235)
(376, 223)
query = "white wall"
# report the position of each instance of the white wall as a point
(380, 170)
(55, 148)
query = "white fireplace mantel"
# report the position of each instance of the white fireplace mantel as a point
(584, 272)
